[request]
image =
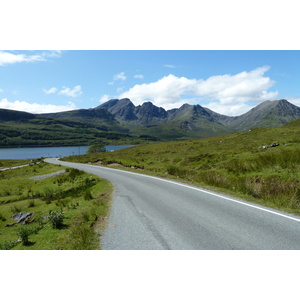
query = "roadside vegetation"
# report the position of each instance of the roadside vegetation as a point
(66, 212)
(8, 163)
(237, 163)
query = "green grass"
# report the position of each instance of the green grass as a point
(83, 200)
(235, 164)
(7, 163)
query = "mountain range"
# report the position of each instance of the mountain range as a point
(122, 119)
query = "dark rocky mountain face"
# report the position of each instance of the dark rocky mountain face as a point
(149, 114)
(145, 114)
(122, 110)
(192, 120)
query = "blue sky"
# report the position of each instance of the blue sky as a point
(228, 82)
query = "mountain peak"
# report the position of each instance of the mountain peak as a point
(266, 114)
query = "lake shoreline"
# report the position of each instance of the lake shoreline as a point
(43, 152)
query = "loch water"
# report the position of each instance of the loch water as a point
(31, 153)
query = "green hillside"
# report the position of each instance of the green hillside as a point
(236, 163)
(38, 131)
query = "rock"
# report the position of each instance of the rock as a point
(10, 224)
(22, 217)
(274, 145)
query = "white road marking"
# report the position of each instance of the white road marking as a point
(201, 190)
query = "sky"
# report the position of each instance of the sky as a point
(229, 82)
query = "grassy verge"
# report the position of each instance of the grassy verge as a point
(236, 163)
(69, 210)
(8, 163)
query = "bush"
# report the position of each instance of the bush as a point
(16, 209)
(56, 219)
(88, 195)
(74, 173)
(7, 245)
(2, 218)
(24, 233)
(83, 238)
(96, 148)
(31, 203)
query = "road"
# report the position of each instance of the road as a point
(153, 213)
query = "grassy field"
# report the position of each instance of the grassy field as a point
(236, 164)
(69, 210)
(8, 163)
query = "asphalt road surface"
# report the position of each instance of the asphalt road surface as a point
(152, 213)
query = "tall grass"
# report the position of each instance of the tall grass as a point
(71, 196)
(235, 162)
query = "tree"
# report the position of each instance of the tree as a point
(96, 148)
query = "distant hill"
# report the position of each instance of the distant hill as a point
(14, 115)
(267, 114)
(120, 120)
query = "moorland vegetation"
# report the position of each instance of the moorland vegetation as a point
(260, 165)
(67, 211)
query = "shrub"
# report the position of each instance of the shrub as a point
(49, 194)
(31, 203)
(15, 209)
(56, 219)
(24, 233)
(74, 173)
(96, 148)
(83, 238)
(88, 195)
(2, 218)
(7, 245)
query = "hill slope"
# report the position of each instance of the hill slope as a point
(236, 163)
(267, 114)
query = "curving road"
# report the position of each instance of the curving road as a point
(154, 213)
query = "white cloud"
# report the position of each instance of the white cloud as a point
(1, 91)
(238, 91)
(12, 58)
(35, 108)
(139, 76)
(293, 100)
(166, 92)
(120, 76)
(75, 92)
(242, 87)
(52, 90)
(104, 98)
(170, 66)
(52, 53)
(229, 110)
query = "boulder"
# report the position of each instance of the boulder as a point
(274, 145)
(22, 217)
